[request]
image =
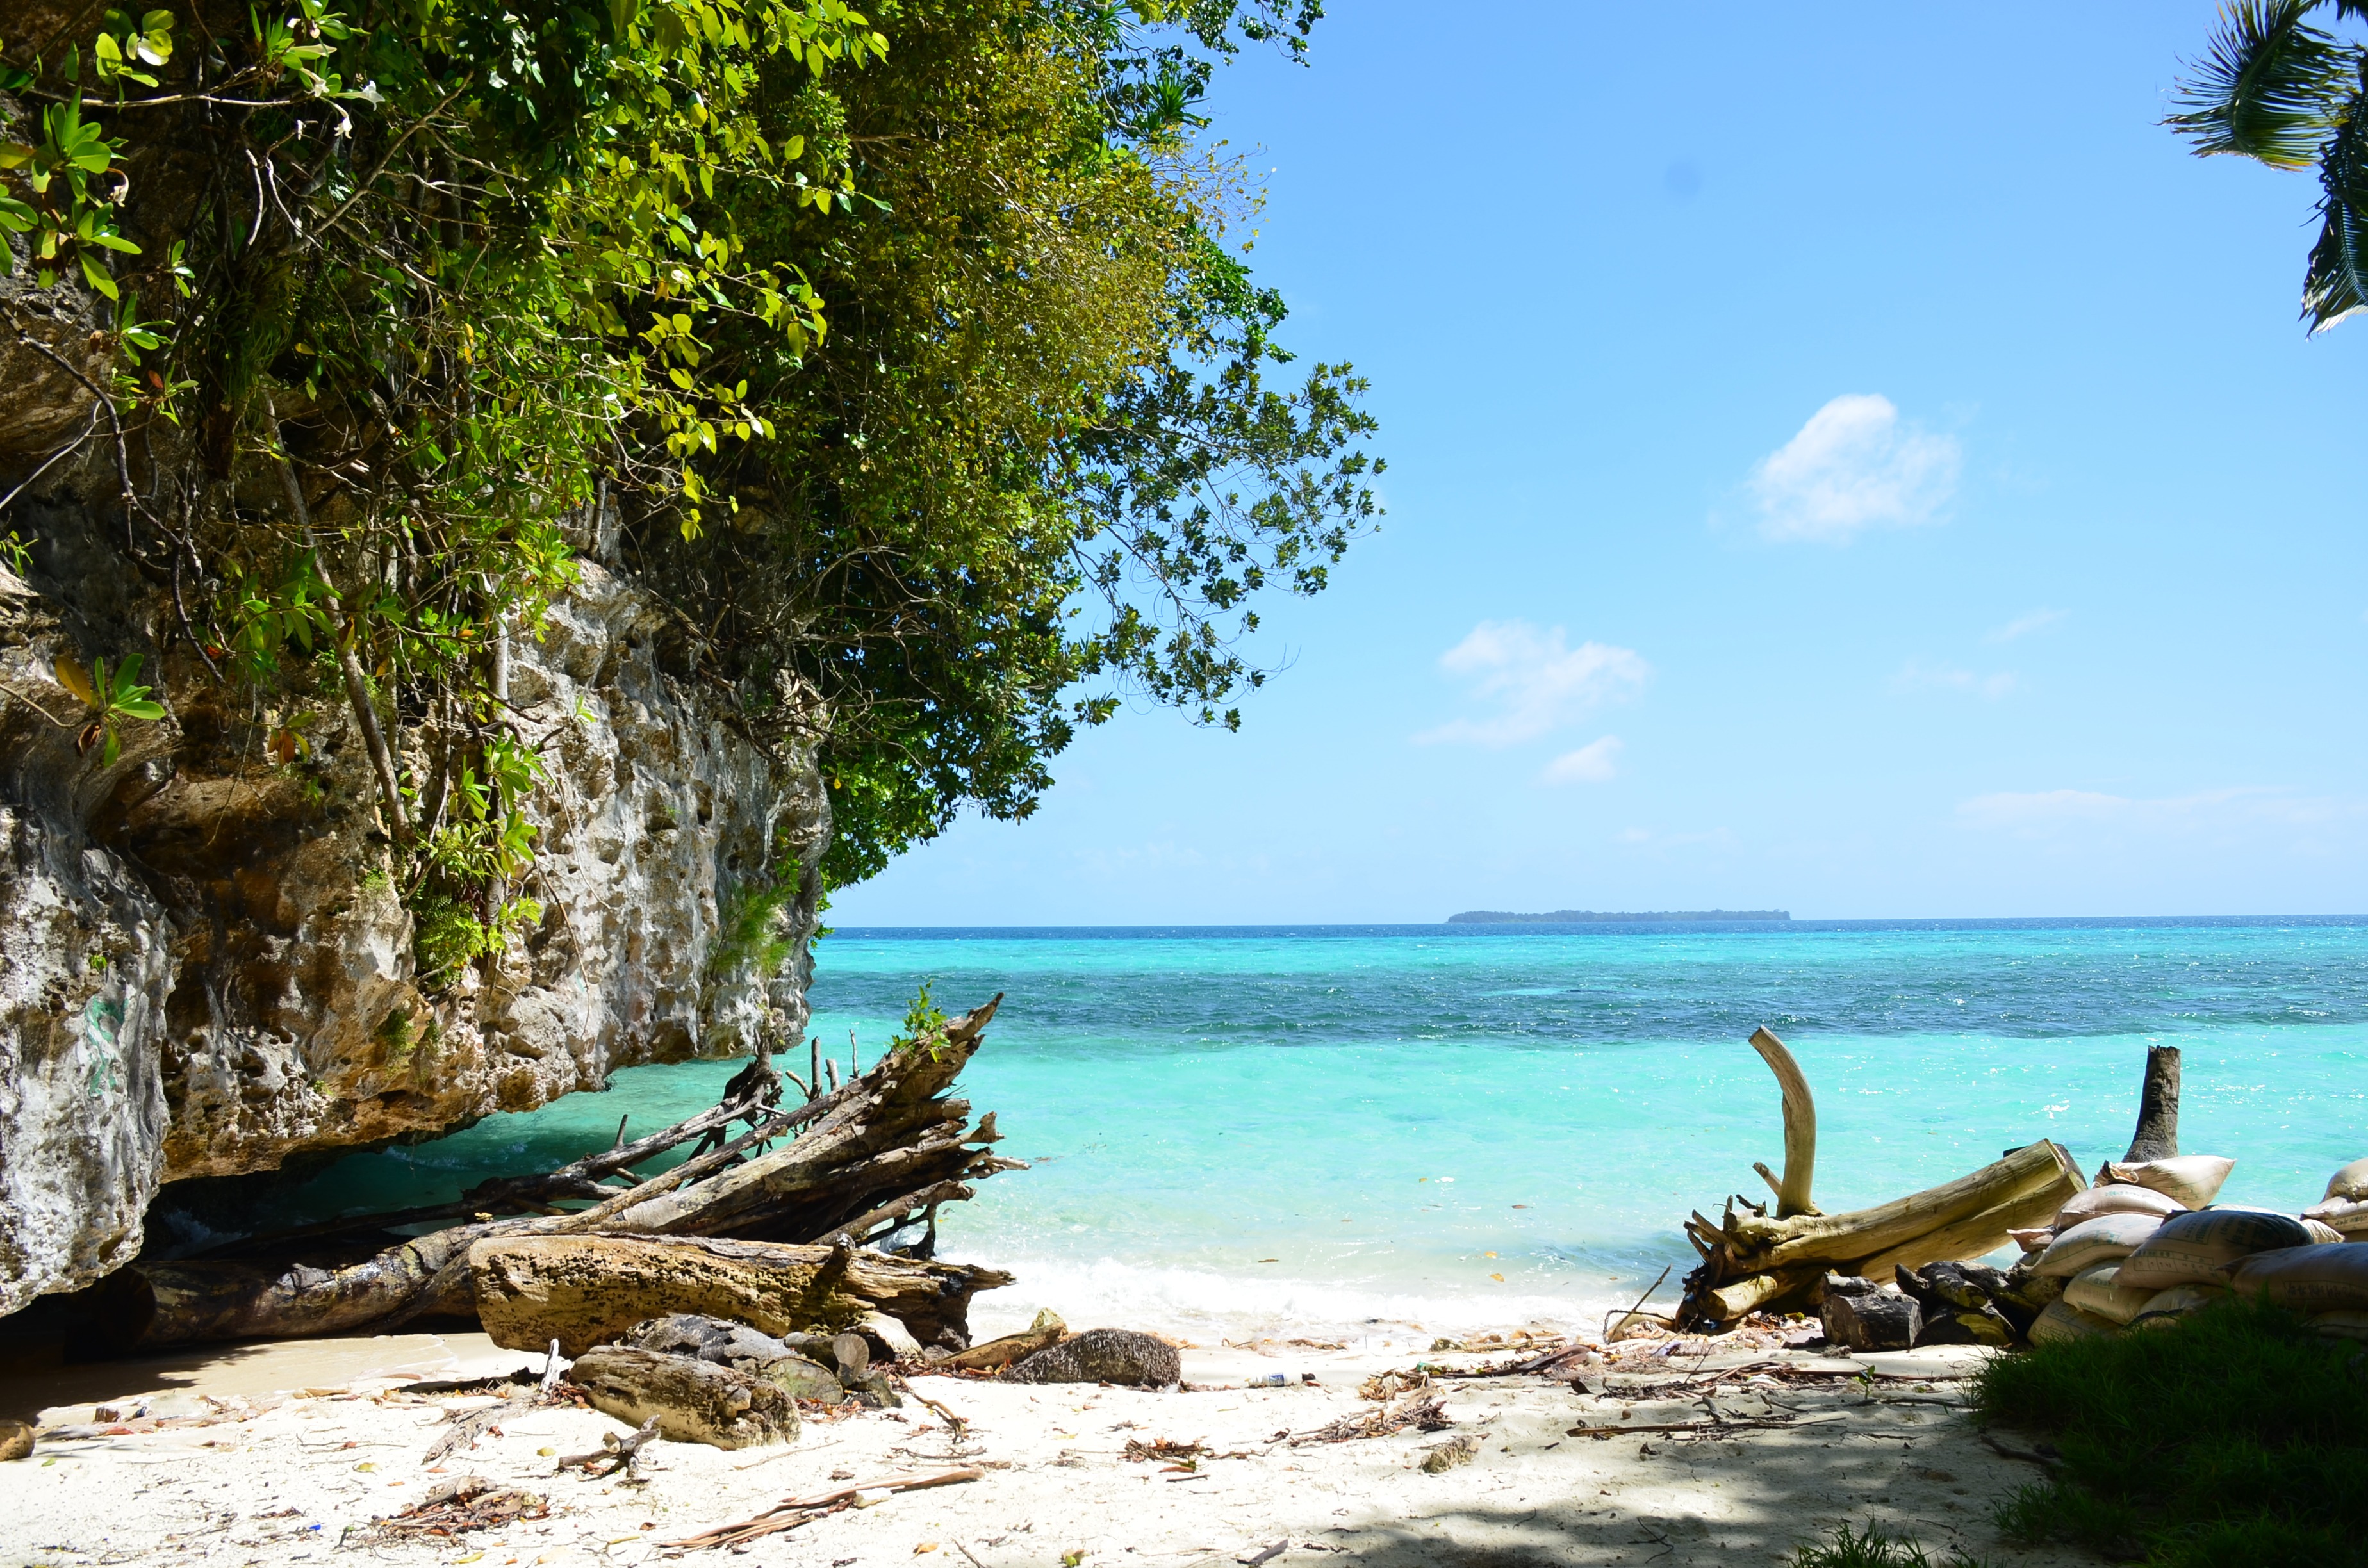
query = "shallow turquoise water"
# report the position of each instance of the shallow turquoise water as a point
(1240, 1127)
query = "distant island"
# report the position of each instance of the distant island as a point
(1629, 918)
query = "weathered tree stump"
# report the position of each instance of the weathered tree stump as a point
(1860, 1316)
(2156, 1135)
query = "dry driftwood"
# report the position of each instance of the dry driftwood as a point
(619, 1454)
(1753, 1260)
(996, 1354)
(791, 1512)
(587, 1290)
(848, 1164)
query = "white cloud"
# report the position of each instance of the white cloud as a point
(1853, 466)
(1533, 680)
(2023, 626)
(1590, 764)
(1921, 677)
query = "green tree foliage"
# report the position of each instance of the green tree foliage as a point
(912, 346)
(1041, 454)
(2276, 87)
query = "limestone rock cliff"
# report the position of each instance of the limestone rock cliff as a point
(206, 969)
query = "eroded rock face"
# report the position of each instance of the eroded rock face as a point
(205, 968)
(297, 1023)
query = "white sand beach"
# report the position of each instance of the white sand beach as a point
(288, 1452)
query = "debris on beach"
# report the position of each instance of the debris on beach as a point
(996, 1354)
(1756, 1259)
(793, 1513)
(2142, 1245)
(1424, 1413)
(469, 1502)
(1441, 1458)
(779, 1225)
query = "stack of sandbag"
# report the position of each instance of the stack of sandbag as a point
(2345, 1208)
(2327, 1280)
(2098, 1230)
(2147, 1246)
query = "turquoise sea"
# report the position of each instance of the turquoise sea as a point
(1240, 1128)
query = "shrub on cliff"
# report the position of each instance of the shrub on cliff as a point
(903, 353)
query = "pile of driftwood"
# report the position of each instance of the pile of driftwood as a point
(776, 1225)
(1760, 1258)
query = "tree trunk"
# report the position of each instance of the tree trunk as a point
(2157, 1137)
(866, 1154)
(1875, 1321)
(587, 1290)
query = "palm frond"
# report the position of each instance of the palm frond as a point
(2266, 88)
(2336, 284)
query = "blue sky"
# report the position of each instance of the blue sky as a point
(1848, 459)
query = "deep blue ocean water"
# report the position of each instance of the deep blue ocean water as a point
(1240, 1127)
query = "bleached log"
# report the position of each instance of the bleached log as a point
(1771, 1243)
(1983, 1232)
(1800, 1128)
(587, 1290)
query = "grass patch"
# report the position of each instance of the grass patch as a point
(1872, 1549)
(2231, 1439)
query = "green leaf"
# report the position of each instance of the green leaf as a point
(2266, 90)
(2337, 283)
(97, 274)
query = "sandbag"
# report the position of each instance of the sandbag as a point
(2116, 1197)
(2098, 1292)
(2341, 1325)
(2308, 1278)
(2193, 1179)
(2350, 1182)
(2166, 1307)
(2345, 1216)
(2191, 1249)
(2063, 1323)
(2034, 1239)
(2105, 1239)
(2321, 1233)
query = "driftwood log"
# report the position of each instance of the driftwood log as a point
(587, 1290)
(875, 1155)
(1755, 1260)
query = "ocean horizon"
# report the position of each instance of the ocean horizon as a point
(1240, 1129)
